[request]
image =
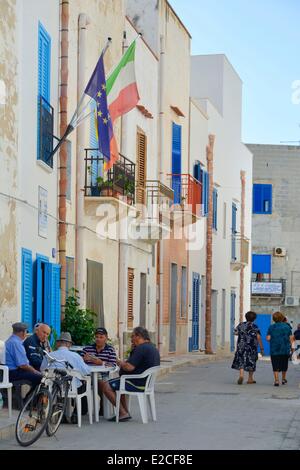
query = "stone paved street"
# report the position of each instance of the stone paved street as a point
(199, 407)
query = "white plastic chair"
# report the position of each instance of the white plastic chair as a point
(73, 393)
(6, 384)
(142, 396)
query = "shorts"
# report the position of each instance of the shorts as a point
(129, 386)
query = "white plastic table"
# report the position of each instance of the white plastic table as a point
(95, 371)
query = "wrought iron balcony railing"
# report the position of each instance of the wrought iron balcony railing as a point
(187, 193)
(45, 134)
(119, 182)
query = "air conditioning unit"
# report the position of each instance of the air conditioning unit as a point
(291, 301)
(279, 251)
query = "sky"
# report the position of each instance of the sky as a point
(261, 39)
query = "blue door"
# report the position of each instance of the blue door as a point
(176, 162)
(263, 321)
(40, 287)
(232, 319)
(26, 299)
(52, 296)
(195, 318)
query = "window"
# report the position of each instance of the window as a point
(141, 167)
(224, 220)
(205, 191)
(176, 162)
(197, 170)
(45, 110)
(130, 279)
(183, 292)
(215, 209)
(262, 199)
(261, 264)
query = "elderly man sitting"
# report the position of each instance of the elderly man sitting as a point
(16, 359)
(143, 356)
(35, 343)
(63, 353)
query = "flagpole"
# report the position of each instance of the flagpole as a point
(76, 117)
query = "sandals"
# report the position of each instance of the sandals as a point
(276, 384)
(284, 381)
(252, 382)
(240, 380)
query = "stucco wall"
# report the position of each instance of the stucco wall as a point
(9, 301)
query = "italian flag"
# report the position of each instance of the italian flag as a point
(121, 87)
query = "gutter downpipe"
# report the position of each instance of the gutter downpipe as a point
(63, 155)
(83, 22)
(160, 247)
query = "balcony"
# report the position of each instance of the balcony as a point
(45, 135)
(116, 186)
(187, 197)
(270, 288)
(153, 223)
(239, 252)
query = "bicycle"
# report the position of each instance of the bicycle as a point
(45, 407)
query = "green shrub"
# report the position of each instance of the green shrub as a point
(79, 322)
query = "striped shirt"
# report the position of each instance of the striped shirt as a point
(107, 354)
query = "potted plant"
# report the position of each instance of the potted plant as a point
(79, 322)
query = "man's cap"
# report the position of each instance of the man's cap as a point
(65, 336)
(20, 326)
(101, 331)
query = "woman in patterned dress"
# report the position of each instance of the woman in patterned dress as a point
(246, 352)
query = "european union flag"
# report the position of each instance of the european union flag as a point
(96, 89)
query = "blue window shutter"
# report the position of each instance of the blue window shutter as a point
(261, 264)
(197, 171)
(205, 191)
(27, 274)
(44, 71)
(215, 209)
(52, 296)
(176, 162)
(262, 199)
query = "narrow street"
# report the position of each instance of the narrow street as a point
(199, 407)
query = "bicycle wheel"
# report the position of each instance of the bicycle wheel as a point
(59, 404)
(33, 418)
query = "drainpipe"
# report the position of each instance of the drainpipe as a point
(242, 274)
(64, 73)
(209, 245)
(160, 245)
(83, 22)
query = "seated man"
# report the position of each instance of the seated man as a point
(16, 359)
(100, 353)
(35, 343)
(63, 353)
(143, 356)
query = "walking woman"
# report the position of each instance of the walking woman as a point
(281, 341)
(246, 353)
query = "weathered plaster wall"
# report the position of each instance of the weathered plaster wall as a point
(8, 166)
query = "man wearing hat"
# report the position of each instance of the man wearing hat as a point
(63, 353)
(16, 359)
(100, 353)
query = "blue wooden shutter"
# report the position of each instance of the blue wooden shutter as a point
(176, 162)
(257, 198)
(197, 170)
(27, 273)
(261, 264)
(205, 191)
(44, 70)
(52, 296)
(262, 199)
(39, 287)
(215, 209)
(267, 198)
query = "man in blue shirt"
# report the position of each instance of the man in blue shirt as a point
(16, 359)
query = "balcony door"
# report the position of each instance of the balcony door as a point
(176, 162)
(141, 167)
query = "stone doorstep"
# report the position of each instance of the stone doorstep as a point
(7, 426)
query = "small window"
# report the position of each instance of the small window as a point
(262, 199)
